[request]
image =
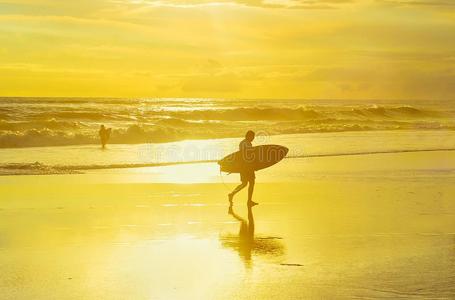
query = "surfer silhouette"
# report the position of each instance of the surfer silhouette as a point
(105, 134)
(247, 176)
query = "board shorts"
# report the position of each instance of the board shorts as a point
(247, 176)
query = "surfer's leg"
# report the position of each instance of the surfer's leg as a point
(250, 191)
(237, 189)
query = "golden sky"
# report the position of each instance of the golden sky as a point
(400, 49)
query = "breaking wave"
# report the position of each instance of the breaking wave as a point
(176, 129)
(251, 114)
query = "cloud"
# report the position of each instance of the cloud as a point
(205, 85)
(417, 3)
(408, 56)
(341, 74)
(282, 4)
(228, 48)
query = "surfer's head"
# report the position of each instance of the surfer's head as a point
(249, 136)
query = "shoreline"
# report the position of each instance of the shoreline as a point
(77, 159)
(396, 165)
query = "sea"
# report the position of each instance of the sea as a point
(60, 135)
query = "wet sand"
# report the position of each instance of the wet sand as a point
(371, 233)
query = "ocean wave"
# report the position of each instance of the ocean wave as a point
(107, 101)
(55, 133)
(256, 113)
(34, 169)
(392, 112)
(306, 113)
(249, 114)
(52, 124)
(83, 115)
(120, 113)
(43, 137)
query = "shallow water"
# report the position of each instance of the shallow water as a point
(80, 158)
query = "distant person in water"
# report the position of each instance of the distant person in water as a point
(247, 177)
(105, 134)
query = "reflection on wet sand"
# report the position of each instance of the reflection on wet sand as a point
(246, 244)
(120, 241)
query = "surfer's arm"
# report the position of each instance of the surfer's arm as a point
(244, 146)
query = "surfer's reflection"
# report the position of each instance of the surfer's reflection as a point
(246, 244)
(246, 232)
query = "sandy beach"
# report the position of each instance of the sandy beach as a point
(373, 231)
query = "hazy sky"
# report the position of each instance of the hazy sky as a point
(228, 48)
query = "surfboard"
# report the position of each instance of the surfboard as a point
(105, 135)
(108, 134)
(256, 158)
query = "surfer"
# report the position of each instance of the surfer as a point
(105, 134)
(247, 177)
